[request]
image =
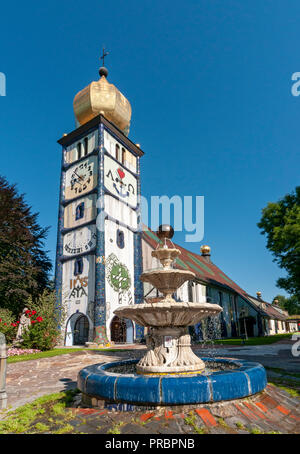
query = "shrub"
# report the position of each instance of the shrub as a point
(8, 325)
(42, 332)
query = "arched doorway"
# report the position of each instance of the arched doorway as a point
(81, 330)
(118, 330)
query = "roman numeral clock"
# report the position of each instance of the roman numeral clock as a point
(99, 252)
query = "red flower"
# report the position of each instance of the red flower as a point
(27, 312)
(39, 319)
(33, 321)
(33, 312)
(0, 319)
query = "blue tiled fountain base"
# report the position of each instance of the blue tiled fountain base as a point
(128, 391)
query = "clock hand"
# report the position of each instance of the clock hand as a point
(81, 178)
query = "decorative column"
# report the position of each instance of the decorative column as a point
(138, 259)
(100, 308)
(59, 251)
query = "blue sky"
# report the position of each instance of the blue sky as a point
(210, 87)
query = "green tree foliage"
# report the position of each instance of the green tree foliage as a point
(291, 305)
(43, 333)
(24, 265)
(280, 223)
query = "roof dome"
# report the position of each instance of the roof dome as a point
(104, 98)
(205, 249)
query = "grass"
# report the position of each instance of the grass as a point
(46, 414)
(289, 386)
(57, 352)
(283, 372)
(116, 429)
(239, 425)
(191, 421)
(253, 340)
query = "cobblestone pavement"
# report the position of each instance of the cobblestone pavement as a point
(278, 355)
(28, 380)
(274, 410)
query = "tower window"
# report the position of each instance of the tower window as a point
(78, 268)
(221, 299)
(123, 155)
(79, 211)
(120, 239)
(85, 146)
(117, 152)
(79, 150)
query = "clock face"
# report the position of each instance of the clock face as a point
(81, 178)
(80, 240)
(120, 182)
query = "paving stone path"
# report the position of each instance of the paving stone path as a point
(274, 410)
(28, 380)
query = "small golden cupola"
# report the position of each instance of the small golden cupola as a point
(104, 98)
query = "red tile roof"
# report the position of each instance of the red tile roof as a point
(205, 271)
(209, 273)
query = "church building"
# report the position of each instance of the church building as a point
(102, 248)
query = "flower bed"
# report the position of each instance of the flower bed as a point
(21, 351)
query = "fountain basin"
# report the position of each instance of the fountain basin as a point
(168, 313)
(166, 280)
(100, 386)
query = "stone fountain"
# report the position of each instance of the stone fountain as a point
(168, 341)
(170, 373)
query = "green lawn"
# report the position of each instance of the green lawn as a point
(57, 352)
(234, 341)
(253, 340)
(47, 414)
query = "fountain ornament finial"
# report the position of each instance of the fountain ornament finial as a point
(165, 232)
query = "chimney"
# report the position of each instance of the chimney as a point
(205, 252)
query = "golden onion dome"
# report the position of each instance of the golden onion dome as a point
(101, 97)
(205, 250)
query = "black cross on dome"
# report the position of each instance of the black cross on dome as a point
(103, 71)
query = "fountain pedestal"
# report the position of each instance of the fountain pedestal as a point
(169, 352)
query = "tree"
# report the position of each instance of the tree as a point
(280, 222)
(24, 265)
(291, 305)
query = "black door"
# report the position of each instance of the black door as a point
(81, 331)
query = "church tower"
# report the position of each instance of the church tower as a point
(99, 254)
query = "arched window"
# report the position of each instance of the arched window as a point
(85, 146)
(117, 152)
(79, 150)
(79, 211)
(78, 268)
(123, 155)
(120, 239)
